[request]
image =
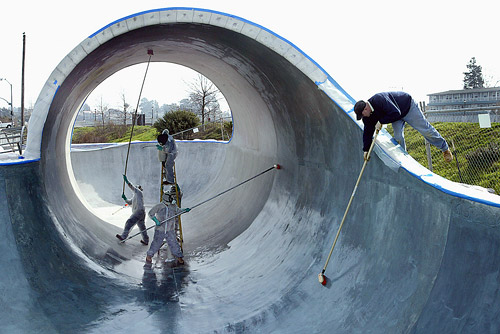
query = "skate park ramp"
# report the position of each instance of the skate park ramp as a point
(417, 254)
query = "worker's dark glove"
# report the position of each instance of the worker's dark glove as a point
(125, 179)
(124, 197)
(159, 147)
(186, 209)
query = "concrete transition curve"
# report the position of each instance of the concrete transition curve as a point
(417, 254)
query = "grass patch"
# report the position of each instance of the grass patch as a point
(112, 133)
(476, 153)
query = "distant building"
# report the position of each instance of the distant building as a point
(465, 98)
(464, 105)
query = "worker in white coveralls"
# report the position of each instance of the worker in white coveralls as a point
(167, 146)
(166, 228)
(138, 213)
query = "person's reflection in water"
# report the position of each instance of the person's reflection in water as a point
(163, 284)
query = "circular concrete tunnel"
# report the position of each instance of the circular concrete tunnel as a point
(253, 254)
(279, 116)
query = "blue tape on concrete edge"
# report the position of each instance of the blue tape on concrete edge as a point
(329, 78)
(19, 162)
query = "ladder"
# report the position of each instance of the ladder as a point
(178, 226)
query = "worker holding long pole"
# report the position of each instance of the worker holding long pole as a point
(321, 277)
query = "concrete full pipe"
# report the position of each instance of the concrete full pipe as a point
(418, 254)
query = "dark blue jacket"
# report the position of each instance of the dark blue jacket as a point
(388, 107)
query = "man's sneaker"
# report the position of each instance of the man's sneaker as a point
(119, 237)
(145, 243)
(149, 259)
(448, 157)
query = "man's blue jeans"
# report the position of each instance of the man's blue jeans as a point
(417, 121)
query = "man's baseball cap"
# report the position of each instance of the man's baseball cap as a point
(358, 109)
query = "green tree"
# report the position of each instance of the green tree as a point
(474, 77)
(176, 121)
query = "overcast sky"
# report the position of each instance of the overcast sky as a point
(421, 47)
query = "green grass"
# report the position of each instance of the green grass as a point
(119, 133)
(213, 131)
(476, 157)
(113, 134)
(141, 133)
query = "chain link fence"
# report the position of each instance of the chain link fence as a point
(476, 153)
(219, 129)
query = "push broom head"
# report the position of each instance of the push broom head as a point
(322, 279)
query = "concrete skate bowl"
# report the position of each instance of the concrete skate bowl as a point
(418, 254)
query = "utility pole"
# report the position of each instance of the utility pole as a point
(22, 80)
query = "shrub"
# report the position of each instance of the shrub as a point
(176, 121)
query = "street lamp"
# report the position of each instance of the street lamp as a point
(5, 100)
(11, 107)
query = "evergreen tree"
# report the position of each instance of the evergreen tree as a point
(176, 121)
(474, 77)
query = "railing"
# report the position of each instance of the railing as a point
(466, 115)
(463, 110)
(187, 134)
(12, 139)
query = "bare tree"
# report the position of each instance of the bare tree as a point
(203, 97)
(125, 106)
(103, 107)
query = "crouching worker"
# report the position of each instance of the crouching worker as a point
(397, 108)
(138, 213)
(165, 227)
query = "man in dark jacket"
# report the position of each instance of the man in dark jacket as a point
(397, 108)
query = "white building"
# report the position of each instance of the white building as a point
(465, 98)
(464, 105)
